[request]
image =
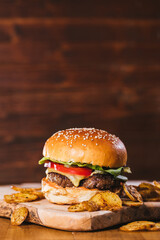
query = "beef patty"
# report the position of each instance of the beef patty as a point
(59, 179)
(99, 181)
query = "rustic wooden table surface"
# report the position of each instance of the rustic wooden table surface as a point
(32, 231)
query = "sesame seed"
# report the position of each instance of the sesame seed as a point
(70, 135)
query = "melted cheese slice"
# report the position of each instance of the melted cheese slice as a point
(75, 179)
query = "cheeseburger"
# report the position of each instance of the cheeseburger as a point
(81, 162)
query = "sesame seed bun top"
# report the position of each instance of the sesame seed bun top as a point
(86, 145)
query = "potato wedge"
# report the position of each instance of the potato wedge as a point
(9, 198)
(157, 184)
(132, 204)
(20, 197)
(137, 226)
(25, 190)
(156, 227)
(112, 200)
(146, 185)
(91, 206)
(79, 207)
(132, 193)
(98, 200)
(40, 195)
(157, 190)
(25, 195)
(19, 215)
(148, 193)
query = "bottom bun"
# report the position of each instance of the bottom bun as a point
(69, 195)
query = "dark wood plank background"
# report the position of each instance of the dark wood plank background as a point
(74, 64)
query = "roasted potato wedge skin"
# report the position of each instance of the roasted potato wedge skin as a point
(145, 185)
(92, 206)
(24, 195)
(156, 227)
(132, 193)
(112, 200)
(19, 215)
(79, 207)
(89, 206)
(40, 195)
(131, 203)
(149, 192)
(20, 197)
(137, 226)
(127, 192)
(100, 201)
(25, 190)
(156, 184)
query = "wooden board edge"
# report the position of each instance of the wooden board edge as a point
(60, 220)
(125, 215)
(84, 222)
(6, 210)
(64, 221)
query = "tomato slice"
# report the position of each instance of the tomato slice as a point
(83, 171)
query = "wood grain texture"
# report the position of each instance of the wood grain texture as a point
(41, 8)
(75, 64)
(56, 216)
(32, 231)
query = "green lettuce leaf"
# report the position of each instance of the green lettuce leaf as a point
(114, 171)
(127, 170)
(43, 160)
